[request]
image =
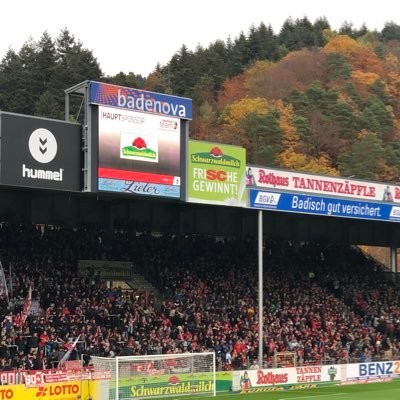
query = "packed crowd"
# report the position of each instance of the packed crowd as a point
(324, 303)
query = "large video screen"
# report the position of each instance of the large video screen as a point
(139, 153)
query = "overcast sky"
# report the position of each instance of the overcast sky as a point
(134, 35)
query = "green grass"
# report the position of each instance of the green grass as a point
(370, 391)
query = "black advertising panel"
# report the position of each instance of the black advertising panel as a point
(40, 153)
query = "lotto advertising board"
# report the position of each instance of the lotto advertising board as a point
(216, 174)
(139, 153)
(274, 179)
(40, 153)
(55, 391)
(317, 205)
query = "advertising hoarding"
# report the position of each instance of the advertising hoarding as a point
(216, 174)
(139, 153)
(321, 185)
(372, 371)
(140, 100)
(40, 153)
(335, 207)
(251, 380)
(71, 390)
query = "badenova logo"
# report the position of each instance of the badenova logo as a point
(215, 157)
(141, 103)
(43, 148)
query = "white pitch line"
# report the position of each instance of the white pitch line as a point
(314, 397)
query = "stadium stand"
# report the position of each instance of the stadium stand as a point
(323, 302)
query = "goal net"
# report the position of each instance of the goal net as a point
(157, 376)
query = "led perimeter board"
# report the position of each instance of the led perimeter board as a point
(140, 138)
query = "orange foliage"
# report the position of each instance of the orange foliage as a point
(230, 135)
(232, 90)
(384, 172)
(365, 78)
(291, 160)
(342, 44)
(320, 165)
(362, 81)
(257, 77)
(290, 139)
(361, 57)
(295, 71)
(236, 112)
(291, 157)
(393, 84)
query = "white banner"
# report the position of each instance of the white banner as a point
(323, 185)
(313, 374)
(372, 371)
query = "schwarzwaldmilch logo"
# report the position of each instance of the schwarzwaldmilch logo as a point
(215, 156)
(139, 148)
(43, 145)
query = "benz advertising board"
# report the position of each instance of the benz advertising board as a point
(38, 152)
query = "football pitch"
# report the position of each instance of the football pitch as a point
(370, 391)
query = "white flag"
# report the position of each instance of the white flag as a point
(3, 283)
(67, 355)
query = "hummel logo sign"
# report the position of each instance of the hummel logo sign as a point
(43, 145)
(42, 142)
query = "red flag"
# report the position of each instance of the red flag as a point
(48, 310)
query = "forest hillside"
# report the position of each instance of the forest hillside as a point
(307, 98)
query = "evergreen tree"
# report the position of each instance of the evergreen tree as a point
(262, 43)
(240, 54)
(265, 136)
(182, 72)
(355, 162)
(391, 31)
(339, 67)
(300, 102)
(320, 25)
(343, 114)
(375, 116)
(45, 62)
(287, 36)
(347, 29)
(47, 106)
(129, 80)
(74, 64)
(10, 82)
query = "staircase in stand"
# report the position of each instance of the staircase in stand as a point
(140, 284)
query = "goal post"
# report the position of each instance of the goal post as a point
(155, 376)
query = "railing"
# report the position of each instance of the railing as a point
(292, 360)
